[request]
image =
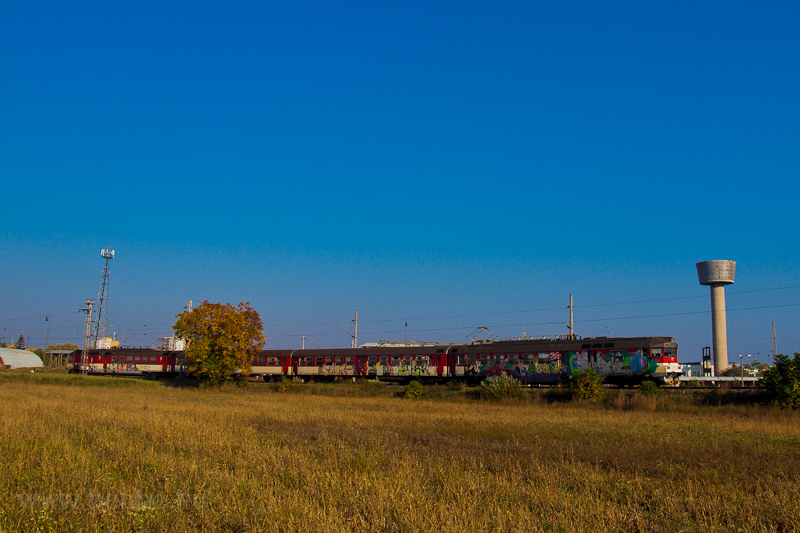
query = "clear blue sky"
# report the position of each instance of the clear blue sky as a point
(452, 164)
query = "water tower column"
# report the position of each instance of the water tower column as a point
(719, 327)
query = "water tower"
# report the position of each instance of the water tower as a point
(717, 274)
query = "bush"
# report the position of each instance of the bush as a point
(413, 389)
(782, 382)
(649, 388)
(499, 387)
(587, 384)
(285, 384)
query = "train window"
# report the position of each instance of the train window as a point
(585, 346)
(318, 361)
(348, 360)
(130, 359)
(372, 360)
(471, 358)
(608, 345)
(484, 358)
(260, 361)
(431, 361)
(309, 361)
(407, 358)
(513, 358)
(396, 361)
(339, 359)
(527, 356)
(656, 352)
(460, 359)
(441, 350)
(597, 345)
(384, 359)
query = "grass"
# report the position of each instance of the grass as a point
(150, 457)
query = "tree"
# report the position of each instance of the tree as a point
(21, 342)
(65, 346)
(782, 381)
(221, 339)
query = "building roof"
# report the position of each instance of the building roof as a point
(13, 358)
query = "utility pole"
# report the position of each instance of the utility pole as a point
(355, 331)
(87, 333)
(46, 336)
(774, 344)
(571, 323)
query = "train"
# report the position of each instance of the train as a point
(621, 361)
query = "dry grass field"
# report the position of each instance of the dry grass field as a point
(115, 455)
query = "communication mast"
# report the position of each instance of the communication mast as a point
(101, 324)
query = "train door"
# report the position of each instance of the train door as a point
(451, 356)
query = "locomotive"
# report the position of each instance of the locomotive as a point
(621, 361)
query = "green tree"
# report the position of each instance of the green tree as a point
(221, 339)
(65, 346)
(21, 342)
(782, 381)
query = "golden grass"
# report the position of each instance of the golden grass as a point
(144, 458)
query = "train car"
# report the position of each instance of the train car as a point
(426, 362)
(619, 360)
(271, 364)
(127, 361)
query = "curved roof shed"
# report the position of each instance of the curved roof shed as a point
(12, 358)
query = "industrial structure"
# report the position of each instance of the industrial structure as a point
(717, 274)
(101, 324)
(95, 333)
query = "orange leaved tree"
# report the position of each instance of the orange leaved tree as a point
(220, 339)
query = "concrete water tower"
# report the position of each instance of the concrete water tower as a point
(717, 274)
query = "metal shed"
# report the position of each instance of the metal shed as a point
(12, 358)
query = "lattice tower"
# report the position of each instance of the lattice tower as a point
(101, 323)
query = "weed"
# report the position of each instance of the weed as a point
(413, 389)
(586, 385)
(285, 385)
(649, 388)
(500, 387)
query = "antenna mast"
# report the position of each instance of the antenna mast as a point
(101, 324)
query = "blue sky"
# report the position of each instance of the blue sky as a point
(450, 164)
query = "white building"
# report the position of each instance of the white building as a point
(13, 358)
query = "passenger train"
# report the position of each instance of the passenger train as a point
(621, 360)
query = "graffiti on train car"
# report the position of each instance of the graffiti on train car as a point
(612, 362)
